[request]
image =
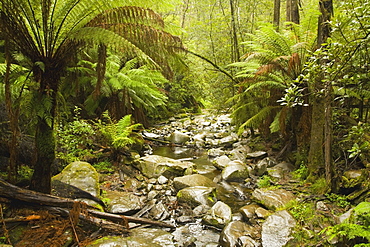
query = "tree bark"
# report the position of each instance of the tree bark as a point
(292, 11)
(320, 156)
(276, 20)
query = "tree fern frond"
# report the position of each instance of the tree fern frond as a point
(256, 120)
(265, 84)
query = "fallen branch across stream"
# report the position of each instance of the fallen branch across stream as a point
(63, 206)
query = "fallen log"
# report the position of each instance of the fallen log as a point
(14, 193)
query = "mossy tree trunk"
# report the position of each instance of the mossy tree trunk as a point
(45, 142)
(320, 158)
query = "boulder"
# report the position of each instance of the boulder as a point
(235, 171)
(153, 166)
(219, 215)
(273, 198)
(257, 154)
(144, 237)
(238, 233)
(123, 202)
(221, 161)
(195, 235)
(178, 137)
(276, 230)
(81, 175)
(281, 170)
(191, 181)
(240, 152)
(197, 195)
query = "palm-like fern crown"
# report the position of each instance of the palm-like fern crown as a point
(50, 31)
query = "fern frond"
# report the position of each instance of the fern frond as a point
(256, 120)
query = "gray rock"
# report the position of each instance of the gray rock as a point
(277, 228)
(81, 175)
(228, 140)
(281, 170)
(159, 211)
(153, 166)
(197, 195)
(162, 179)
(144, 237)
(191, 181)
(221, 161)
(215, 152)
(258, 154)
(219, 215)
(273, 198)
(179, 137)
(261, 167)
(235, 171)
(238, 233)
(123, 202)
(195, 235)
(240, 152)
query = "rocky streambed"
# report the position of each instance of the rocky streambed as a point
(216, 188)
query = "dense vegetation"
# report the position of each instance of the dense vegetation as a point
(79, 79)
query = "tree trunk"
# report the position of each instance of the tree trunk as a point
(321, 131)
(45, 156)
(292, 11)
(276, 20)
(13, 120)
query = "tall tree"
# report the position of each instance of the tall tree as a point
(276, 20)
(321, 129)
(292, 11)
(49, 33)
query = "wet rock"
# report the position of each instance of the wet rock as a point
(144, 237)
(235, 171)
(238, 233)
(153, 166)
(261, 167)
(240, 152)
(273, 198)
(277, 228)
(179, 137)
(123, 202)
(281, 170)
(219, 215)
(195, 234)
(194, 196)
(228, 140)
(81, 175)
(191, 181)
(162, 179)
(215, 152)
(258, 154)
(159, 211)
(262, 213)
(249, 211)
(221, 161)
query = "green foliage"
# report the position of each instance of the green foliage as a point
(264, 181)
(82, 139)
(359, 138)
(356, 229)
(319, 186)
(339, 200)
(121, 134)
(301, 173)
(103, 166)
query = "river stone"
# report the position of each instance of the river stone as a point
(240, 152)
(195, 235)
(219, 215)
(228, 140)
(258, 154)
(215, 152)
(178, 137)
(123, 202)
(273, 198)
(191, 181)
(261, 167)
(249, 211)
(144, 237)
(153, 166)
(281, 170)
(235, 171)
(238, 233)
(197, 195)
(277, 228)
(221, 161)
(82, 175)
